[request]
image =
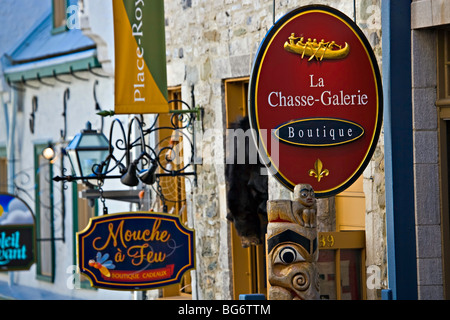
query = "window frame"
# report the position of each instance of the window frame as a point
(59, 28)
(38, 148)
(3, 170)
(345, 240)
(248, 264)
(183, 289)
(443, 112)
(163, 138)
(76, 202)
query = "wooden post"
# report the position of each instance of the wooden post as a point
(292, 247)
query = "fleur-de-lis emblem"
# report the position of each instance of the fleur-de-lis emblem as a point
(318, 171)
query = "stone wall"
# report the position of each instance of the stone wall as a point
(426, 166)
(426, 15)
(207, 42)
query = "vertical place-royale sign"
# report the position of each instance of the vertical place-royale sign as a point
(135, 250)
(315, 100)
(140, 57)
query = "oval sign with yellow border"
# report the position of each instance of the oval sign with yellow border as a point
(315, 100)
(333, 132)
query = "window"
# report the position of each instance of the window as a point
(342, 254)
(173, 188)
(351, 207)
(443, 102)
(172, 159)
(236, 95)
(83, 210)
(44, 215)
(249, 263)
(3, 170)
(59, 15)
(443, 71)
(342, 265)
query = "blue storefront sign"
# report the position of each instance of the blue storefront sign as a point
(135, 250)
(17, 234)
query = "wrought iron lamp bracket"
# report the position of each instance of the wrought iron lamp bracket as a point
(134, 158)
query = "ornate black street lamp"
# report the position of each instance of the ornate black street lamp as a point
(94, 158)
(88, 154)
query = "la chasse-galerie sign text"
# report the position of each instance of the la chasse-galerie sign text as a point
(135, 250)
(315, 100)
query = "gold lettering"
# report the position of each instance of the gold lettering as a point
(138, 255)
(327, 241)
(119, 257)
(160, 236)
(137, 235)
(112, 235)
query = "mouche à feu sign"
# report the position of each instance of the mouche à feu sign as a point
(135, 250)
(315, 100)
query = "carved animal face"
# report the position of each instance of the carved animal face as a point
(291, 276)
(304, 194)
(292, 268)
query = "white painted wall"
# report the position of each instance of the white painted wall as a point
(48, 125)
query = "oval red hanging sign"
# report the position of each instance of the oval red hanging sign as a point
(315, 100)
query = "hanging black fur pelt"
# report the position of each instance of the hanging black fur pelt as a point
(246, 191)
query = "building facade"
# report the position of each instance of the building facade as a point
(56, 77)
(211, 47)
(51, 85)
(429, 21)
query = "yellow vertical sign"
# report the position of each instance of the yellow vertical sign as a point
(140, 57)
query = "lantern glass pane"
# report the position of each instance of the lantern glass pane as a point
(89, 158)
(74, 142)
(74, 162)
(93, 141)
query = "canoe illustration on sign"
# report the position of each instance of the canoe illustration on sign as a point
(320, 50)
(316, 100)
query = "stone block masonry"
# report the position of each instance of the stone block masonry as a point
(208, 42)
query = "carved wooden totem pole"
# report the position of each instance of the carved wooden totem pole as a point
(292, 246)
